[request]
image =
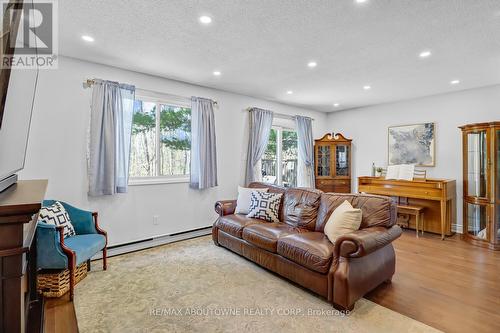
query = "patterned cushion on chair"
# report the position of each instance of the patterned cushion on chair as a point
(57, 215)
(265, 206)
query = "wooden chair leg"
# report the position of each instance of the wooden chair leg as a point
(88, 265)
(104, 259)
(417, 222)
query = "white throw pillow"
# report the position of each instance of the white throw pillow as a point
(245, 199)
(344, 219)
(265, 206)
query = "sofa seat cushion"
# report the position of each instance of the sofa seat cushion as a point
(266, 235)
(234, 224)
(312, 250)
(85, 246)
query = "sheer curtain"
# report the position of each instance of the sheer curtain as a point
(305, 170)
(203, 144)
(261, 122)
(110, 135)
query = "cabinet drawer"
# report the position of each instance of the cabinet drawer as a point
(333, 182)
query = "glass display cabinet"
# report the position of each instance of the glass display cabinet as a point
(333, 163)
(481, 176)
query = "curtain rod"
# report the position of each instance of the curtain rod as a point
(90, 82)
(280, 115)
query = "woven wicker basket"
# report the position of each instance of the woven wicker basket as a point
(56, 284)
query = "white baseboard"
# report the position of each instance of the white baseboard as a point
(155, 241)
(457, 228)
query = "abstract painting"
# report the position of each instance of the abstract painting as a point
(412, 144)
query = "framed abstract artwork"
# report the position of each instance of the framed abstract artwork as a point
(412, 144)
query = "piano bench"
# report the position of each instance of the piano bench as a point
(416, 211)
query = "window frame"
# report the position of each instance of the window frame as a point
(160, 179)
(279, 151)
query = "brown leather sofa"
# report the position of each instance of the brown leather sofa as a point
(297, 248)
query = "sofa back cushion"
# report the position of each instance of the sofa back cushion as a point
(300, 207)
(376, 210)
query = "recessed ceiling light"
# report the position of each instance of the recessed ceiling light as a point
(312, 64)
(367, 87)
(88, 38)
(336, 105)
(217, 73)
(361, 1)
(205, 19)
(455, 82)
(289, 92)
(425, 54)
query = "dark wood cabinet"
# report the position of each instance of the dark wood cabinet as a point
(481, 168)
(332, 158)
(21, 310)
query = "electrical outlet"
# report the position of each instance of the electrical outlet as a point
(156, 219)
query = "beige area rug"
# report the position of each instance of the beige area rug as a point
(195, 286)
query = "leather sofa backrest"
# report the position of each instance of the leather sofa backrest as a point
(300, 207)
(376, 210)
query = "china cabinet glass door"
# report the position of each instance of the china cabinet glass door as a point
(342, 160)
(324, 161)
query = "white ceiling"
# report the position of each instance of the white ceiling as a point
(262, 47)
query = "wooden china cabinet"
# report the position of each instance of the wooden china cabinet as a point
(332, 157)
(481, 168)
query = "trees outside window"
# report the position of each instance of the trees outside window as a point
(279, 163)
(161, 139)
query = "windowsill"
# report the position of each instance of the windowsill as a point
(157, 180)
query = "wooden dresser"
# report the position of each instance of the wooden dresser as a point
(437, 196)
(21, 310)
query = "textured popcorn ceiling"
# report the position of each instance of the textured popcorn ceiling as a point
(262, 46)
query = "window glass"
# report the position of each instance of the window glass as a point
(143, 141)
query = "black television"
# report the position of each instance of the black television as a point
(17, 92)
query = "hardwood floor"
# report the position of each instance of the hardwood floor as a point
(450, 285)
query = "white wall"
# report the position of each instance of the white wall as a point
(57, 152)
(368, 128)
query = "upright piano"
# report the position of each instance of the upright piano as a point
(438, 196)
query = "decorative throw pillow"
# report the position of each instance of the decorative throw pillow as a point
(58, 216)
(245, 199)
(344, 219)
(265, 206)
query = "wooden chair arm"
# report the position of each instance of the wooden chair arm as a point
(95, 215)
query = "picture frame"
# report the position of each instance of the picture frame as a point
(412, 144)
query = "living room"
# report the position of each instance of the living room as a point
(301, 122)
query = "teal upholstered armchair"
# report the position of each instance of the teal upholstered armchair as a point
(56, 252)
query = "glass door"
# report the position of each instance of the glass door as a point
(476, 208)
(323, 163)
(342, 160)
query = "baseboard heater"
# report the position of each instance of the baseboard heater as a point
(155, 241)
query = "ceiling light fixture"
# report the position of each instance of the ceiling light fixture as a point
(361, 1)
(289, 92)
(312, 64)
(367, 87)
(455, 82)
(205, 19)
(217, 73)
(88, 38)
(336, 105)
(425, 54)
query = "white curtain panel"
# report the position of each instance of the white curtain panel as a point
(305, 171)
(110, 135)
(261, 122)
(203, 144)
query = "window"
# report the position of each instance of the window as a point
(161, 139)
(279, 163)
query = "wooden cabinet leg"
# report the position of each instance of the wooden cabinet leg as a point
(443, 218)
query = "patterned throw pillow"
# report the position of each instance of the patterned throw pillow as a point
(58, 216)
(265, 206)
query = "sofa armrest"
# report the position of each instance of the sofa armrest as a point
(50, 255)
(225, 207)
(365, 241)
